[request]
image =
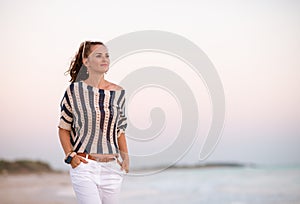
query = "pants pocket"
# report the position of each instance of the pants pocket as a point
(116, 168)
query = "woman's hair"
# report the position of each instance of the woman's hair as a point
(77, 69)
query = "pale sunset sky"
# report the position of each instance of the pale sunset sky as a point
(253, 45)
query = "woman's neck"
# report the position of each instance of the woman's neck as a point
(96, 80)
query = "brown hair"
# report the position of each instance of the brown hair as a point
(77, 69)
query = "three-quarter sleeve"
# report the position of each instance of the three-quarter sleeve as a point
(122, 122)
(66, 115)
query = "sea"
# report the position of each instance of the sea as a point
(221, 185)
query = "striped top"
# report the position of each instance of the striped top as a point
(95, 118)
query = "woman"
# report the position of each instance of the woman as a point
(92, 127)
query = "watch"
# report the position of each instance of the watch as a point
(69, 158)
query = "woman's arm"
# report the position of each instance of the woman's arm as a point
(124, 152)
(64, 136)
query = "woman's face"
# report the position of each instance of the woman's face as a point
(98, 60)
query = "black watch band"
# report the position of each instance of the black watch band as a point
(69, 158)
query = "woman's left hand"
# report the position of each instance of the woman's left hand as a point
(125, 165)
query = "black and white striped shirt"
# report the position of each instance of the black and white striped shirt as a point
(95, 117)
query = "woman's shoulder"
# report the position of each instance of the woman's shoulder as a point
(71, 86)
(114, 87)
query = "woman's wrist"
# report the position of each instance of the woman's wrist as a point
(69, 157)
(125, 157)
(68, 152)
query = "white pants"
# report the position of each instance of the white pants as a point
(97, 182)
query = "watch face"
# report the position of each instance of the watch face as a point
(68, 159)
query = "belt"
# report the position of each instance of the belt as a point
(98, 159)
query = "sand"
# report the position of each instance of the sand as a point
(36, 188)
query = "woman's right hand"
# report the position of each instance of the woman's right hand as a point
(77, 160)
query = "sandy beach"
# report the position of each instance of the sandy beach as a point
(46, 188)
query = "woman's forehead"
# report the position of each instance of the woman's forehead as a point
(99, 49)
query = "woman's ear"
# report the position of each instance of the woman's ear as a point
(85, 61)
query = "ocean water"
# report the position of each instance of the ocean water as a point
(230, 185)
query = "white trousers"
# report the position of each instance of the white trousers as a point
(97, 182)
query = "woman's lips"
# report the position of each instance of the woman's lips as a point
(103, 64)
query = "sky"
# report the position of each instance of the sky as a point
(253, 45)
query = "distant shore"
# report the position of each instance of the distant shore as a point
(25, 167)
(198, 166)
(32, 166)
